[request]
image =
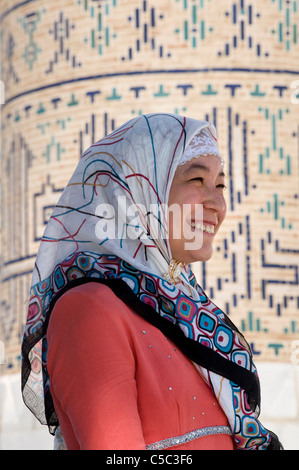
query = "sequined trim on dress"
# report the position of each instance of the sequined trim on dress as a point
(190, 436)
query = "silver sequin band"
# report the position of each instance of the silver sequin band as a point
(190, 436)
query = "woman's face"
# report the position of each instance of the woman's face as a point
(196, 208)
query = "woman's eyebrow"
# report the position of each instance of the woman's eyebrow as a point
(200, 166)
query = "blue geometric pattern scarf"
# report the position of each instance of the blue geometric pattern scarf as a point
(91, 236)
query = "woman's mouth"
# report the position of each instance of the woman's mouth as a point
(204, 227)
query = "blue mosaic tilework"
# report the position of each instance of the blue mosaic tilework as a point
(74, 70)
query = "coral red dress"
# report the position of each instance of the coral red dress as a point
(118, 383)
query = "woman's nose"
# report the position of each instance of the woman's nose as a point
(214, 200)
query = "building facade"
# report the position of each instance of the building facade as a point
(74, 70)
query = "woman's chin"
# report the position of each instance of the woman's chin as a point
(188, 256)
(204, 254)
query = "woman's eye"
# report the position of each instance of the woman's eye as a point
(201, 180)
(198, 179)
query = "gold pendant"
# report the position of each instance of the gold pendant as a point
(174, 270)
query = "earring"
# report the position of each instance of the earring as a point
(174, 270)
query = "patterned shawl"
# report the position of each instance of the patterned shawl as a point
(93, 236)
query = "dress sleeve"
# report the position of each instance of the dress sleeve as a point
(92, 370)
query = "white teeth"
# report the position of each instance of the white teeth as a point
(203, 227)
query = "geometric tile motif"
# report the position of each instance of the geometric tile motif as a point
(64, 92)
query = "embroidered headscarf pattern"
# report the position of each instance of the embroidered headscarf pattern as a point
(92, 236)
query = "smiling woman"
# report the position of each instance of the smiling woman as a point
(134, 353)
